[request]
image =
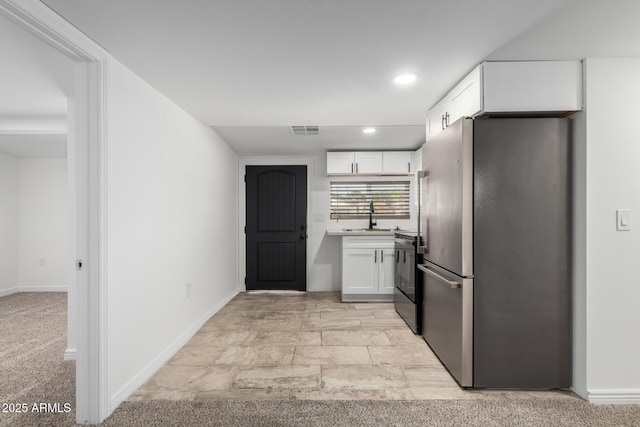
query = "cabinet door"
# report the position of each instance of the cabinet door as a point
(340, 163)
(360, 271)
(368, 162)
(532, 86)
(397, 162)
(466, 97)
(435, 122)
(386, 265)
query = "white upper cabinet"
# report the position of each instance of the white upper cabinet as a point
(436, 117)
(518, 88)
(340, 162)
(466, 97)
(397, 162)
(554, 86)
(369, 162)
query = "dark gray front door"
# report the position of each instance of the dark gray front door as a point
(276, 227)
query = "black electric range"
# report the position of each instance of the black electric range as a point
(408, 284)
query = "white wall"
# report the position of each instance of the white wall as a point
(578, 29)
(8, 224)
(171, 219)
(612, 288)
(33, 225)
(43, 226)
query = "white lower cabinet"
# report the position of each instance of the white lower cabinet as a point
(386, 272)
(367, 268)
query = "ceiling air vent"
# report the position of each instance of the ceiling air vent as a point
(304, 130)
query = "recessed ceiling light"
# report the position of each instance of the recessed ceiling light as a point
(368, 130)
(405, 79)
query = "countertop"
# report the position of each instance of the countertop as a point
(360, 232)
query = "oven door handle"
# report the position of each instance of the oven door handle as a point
(452, 283)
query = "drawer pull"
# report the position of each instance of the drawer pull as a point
(453, 284)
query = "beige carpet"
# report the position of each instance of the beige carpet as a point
(32, 370)
(33, 337)
(353, 413)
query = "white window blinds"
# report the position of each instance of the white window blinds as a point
(352, 199)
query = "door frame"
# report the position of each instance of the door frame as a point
(242, 205)
(87, 179)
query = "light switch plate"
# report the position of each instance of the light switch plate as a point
(623, 219)
(318, 217)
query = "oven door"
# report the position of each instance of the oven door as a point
(405, 271)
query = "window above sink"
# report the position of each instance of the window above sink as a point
(352, 200)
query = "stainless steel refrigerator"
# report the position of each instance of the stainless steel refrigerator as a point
(495, 223)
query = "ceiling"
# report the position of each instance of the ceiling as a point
(280, 141)
(35, 83)
(252, 68)
(240, 64)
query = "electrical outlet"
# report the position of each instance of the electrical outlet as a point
(188, 289)
(43, 262)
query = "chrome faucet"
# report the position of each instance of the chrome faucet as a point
(371, 211)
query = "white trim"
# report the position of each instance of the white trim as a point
(92, 397)
(39, 19)
(614, 396)
(103, 203)
(33, 131)
(9, 291)
(269, 161)
(145, 374)
(43, 289)
(70, 354)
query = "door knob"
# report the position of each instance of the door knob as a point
(303, 236)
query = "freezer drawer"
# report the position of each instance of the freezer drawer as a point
(447, 320)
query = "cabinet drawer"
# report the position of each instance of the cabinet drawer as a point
(367, 242)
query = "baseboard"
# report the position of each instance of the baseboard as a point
(144, 375)
(367, 297)
(614, 397)
(9, 291)
(70, 354)
(43, 289)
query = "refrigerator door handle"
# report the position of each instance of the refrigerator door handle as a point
(421, 249)
(452, 283)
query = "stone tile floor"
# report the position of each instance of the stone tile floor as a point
(309, 346)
